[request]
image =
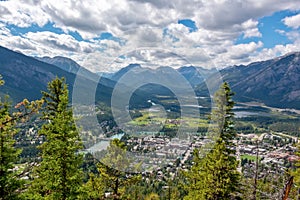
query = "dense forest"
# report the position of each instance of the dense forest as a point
(62, 171)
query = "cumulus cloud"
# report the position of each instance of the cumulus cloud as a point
(138, 25)
(226, 14)
(293, 21)
(90, 18)
(251, 29)
(22, 13)
(269, 53)
(243, 51)
(59, 42)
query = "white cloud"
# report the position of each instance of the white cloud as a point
(22, 13)
(293, 21)
(251, 29)
(241, 51)
(269, 53)
(140, 24)
(4, 31)
(252, 33)
(229, 13)
(20, 44)
(59, 42)
(281, 32)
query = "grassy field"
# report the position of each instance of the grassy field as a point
(275, 120)
(249, 157)
(156, 118)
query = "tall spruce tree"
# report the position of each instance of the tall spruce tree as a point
(215, 176)
(58, 175)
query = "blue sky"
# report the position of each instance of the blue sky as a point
(188, 23)
(110, 35)
(269, 27)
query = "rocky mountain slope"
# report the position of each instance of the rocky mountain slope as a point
(275, 82)
(26, 77)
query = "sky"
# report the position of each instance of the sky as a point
(106, 35)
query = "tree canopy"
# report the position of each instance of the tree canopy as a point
(215, 175)
(58, 175)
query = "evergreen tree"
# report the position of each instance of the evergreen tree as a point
(215, 176)
(58, 175)
(9, 180)
(93, 189)
(8, 154)
(10, 183)
(114, 173)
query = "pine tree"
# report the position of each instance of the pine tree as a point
(215, 176)
(9, 180)
(8, 154)
(58, 175)
(114, 173)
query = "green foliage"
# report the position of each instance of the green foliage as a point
(215, 176)
(166, 187)
(222, 116)
(93, 189)
(88, 166)
(114, 177)
(58, 176)
(290, 127)
(269, 185)
(9, 180)
(152, 196)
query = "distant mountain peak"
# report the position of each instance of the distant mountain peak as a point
(65, 59)
(62, 57)
(124, 70)
(26, 77)
(187, 67)
(293, 53)
(133, 65)
(63, 62)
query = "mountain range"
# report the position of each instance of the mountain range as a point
(274, 82)
(26, 77)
